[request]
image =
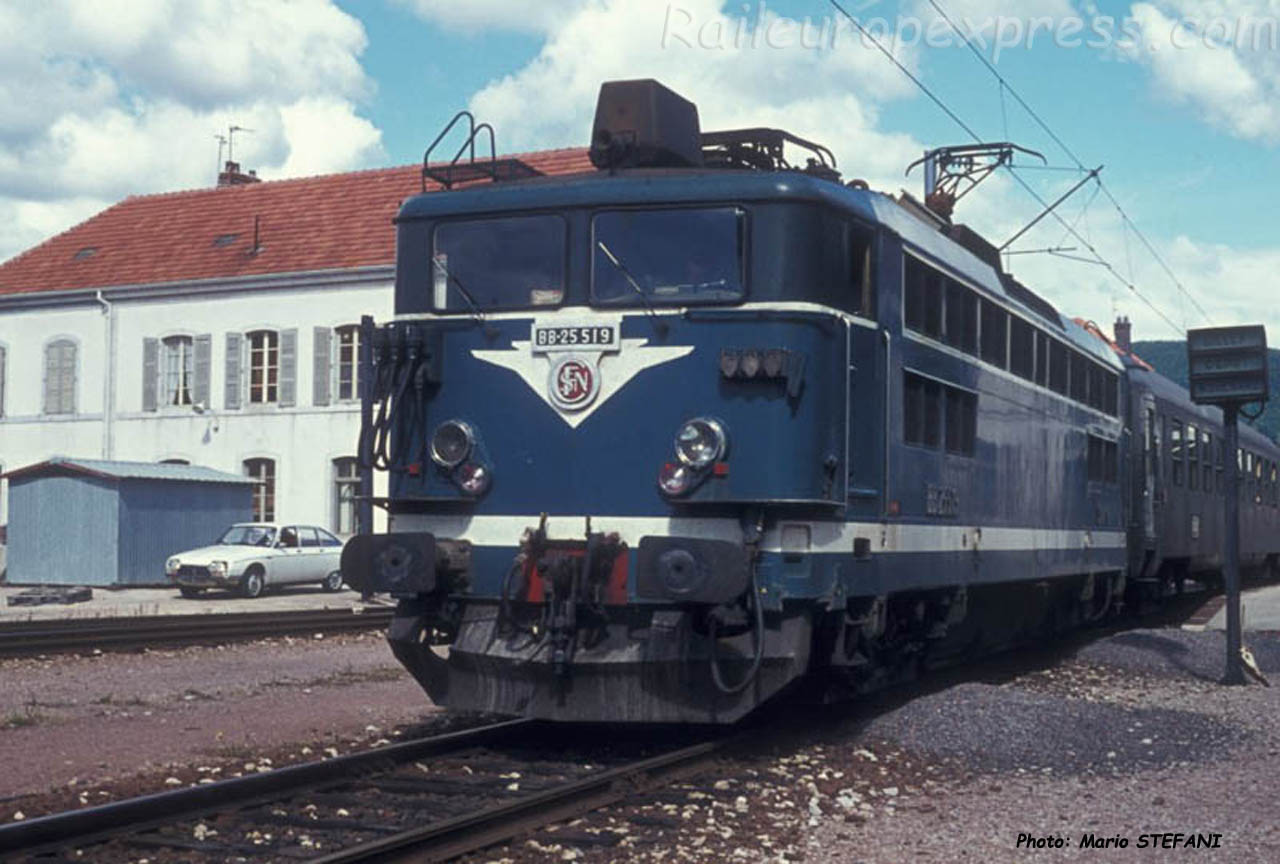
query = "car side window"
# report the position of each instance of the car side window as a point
(289, 538)
(327, 539)
(308, 536)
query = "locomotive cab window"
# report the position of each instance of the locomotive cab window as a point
(676, 256)
(514, 262)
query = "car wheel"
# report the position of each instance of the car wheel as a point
(332, 582)
(252, 583)
(189, 592)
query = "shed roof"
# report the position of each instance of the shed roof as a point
(309, 224)
(128, 471)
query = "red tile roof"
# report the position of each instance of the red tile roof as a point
(332, 222)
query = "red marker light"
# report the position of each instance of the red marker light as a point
(721, 469)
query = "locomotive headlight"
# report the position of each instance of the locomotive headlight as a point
(675, 479)
(750, 363)
(452, 443)
(473, 479)
(700, 443)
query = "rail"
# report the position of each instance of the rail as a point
(65, 635)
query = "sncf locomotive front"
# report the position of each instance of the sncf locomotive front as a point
(615, 409)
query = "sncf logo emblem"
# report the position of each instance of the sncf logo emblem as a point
(573, 384)
(576, 363)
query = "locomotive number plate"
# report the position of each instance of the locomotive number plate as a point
(588, 337)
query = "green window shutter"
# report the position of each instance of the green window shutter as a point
(231, 399)
(288, 368)
(200, 390)
(320, 369)
(150, 373)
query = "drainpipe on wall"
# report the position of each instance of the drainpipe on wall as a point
(109, 381)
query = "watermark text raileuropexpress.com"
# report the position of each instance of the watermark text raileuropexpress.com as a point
(754, 26)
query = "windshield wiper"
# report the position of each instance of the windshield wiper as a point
(462, 289)
(659, 325)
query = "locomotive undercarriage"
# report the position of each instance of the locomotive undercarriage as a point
(563, 641)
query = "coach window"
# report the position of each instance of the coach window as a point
(1222, 461)
(922, 297)
(1175, 451)
(1022, 348)
(1193, 458)
(1058, 370)
(1206, 459)
(995, 334)
(921, 411)
(1275, 493)
(962, 317)
(1257, 479)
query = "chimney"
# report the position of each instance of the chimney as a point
(1124, 334)
(231, 175)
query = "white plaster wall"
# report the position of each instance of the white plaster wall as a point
(303, 440)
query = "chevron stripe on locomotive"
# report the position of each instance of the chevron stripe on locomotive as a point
(667, 439)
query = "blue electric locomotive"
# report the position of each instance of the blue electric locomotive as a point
(667, 437)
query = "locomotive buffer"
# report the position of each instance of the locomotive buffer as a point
(1227, 367)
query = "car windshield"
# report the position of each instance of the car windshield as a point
(507, 263)
(668, 256)
(248, 535)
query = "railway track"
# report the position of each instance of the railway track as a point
(430, 799)
(69, 635)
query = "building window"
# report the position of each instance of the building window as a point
(60, 377)
(263, 471)
(179, 370)
(175, 462)
(348, 351)
(346, 486)
(264, 367)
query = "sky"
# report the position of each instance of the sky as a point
(1179, 100)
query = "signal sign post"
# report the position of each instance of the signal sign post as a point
(1228, 368)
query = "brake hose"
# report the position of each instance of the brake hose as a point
(713, 626)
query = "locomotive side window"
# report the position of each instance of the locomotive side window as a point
(1058, 367)
(1022, 348)
(922, 297)
(921, 411)
(962, 317)
(995, 334)
(1175, 451)
(962, 420)
(1042, 359)
(1193, 458)
(514, 262)
(692, 255)
(1101, 459)
(1111, 394)
(862, 282)
(1079, 377)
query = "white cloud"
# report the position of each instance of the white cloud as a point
(102, 100)
(1220, 57)
(696, 48)
(474, 15)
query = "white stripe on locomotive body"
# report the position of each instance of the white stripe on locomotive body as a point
(824, 537)
(607, 314)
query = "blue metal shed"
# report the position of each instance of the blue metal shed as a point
(89, 522)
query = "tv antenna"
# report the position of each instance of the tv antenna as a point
(231, 135)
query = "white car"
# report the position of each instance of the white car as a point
(250, 557)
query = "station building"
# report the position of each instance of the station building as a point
(214, 327)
